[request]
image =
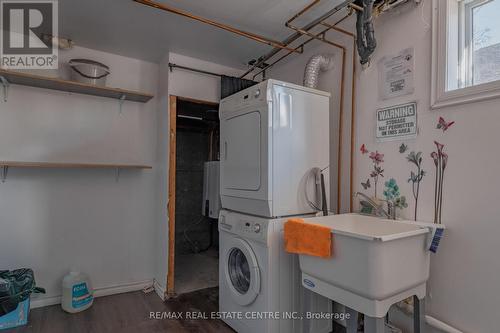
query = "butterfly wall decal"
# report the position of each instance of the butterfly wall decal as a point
(366, 185)
(363, 149)
(443, 124)
(403, 148)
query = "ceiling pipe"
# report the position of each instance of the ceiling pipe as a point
(321, 33)
(292, 38)
(252, 36)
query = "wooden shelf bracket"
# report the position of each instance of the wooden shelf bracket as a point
(5, 170)
(117, 175)
(5, 85)
(120, 102)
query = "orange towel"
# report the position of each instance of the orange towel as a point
(306, 238)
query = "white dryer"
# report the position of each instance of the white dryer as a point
(259, 283)
(274, 135)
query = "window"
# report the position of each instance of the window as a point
(481, 41)
(466, 54)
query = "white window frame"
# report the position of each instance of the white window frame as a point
(447, 60)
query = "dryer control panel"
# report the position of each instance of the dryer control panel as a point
(255, 97)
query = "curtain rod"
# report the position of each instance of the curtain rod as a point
(172, 66)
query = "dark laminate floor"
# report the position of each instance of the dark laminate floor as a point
(129, 313)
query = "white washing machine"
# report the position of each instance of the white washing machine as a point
(260, 288)
(273, 135)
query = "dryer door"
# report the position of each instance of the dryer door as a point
(241, 271)
(244, 170)
(242, 151)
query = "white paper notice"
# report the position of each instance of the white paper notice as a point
(396, 74)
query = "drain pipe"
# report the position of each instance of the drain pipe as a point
(366, 41)
(440, 325)
(431, 321)
(315, 65)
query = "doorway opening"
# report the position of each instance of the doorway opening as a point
(194, 196)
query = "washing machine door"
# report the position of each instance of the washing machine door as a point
(241, 271)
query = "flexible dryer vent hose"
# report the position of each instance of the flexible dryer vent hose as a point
(315, 65)
(366, 41)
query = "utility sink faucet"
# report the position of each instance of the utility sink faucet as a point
(390, 213)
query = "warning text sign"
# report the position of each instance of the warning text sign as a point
(397, 122)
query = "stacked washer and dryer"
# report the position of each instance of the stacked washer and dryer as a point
(274, 148)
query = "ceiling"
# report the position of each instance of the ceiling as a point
(134, 30)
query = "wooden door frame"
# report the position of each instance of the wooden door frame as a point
(172, 162)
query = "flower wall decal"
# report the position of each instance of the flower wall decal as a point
(393, 194)
(417, 174)
(416, 177)
(440, 159)
(377, 158)
(377, 172)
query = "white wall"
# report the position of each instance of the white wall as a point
(55, 219)
(463, 288)
(161, 236)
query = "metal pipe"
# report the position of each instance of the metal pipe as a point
(387, 6)
(334, 27)
(353, 88)
(353, 121)
(321, 37)
(433, 322)
(246, 34)
(356, 7)
(341, 113)
(172, 66)
(305, 43)
(292, 38)
(305, 9)
(341, 109)
(407, 309)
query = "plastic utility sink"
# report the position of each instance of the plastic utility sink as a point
(375, 263)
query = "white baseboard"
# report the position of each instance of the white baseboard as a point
(160, 290)
(123, 288)
(38, 302)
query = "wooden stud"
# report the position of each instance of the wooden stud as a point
(171, 195)
(173, 100)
